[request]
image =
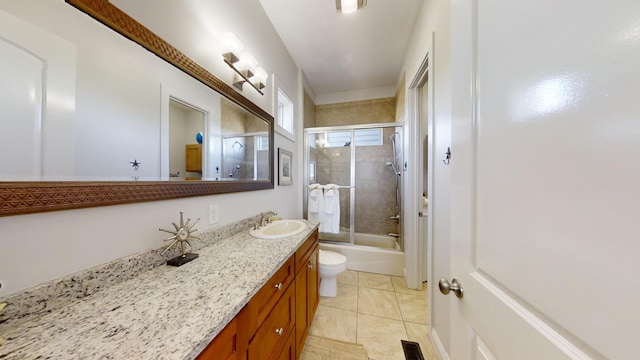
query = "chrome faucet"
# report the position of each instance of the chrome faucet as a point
(266, 217)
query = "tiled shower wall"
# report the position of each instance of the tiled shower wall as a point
(375, 201)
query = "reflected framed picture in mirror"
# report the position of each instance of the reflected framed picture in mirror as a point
(284, 167)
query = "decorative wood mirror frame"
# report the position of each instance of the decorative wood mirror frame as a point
(33, 197)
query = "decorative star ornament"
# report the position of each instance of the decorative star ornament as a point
(135, 164)
(180, 237)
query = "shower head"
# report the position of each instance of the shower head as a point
(393, 166)
(237, 142)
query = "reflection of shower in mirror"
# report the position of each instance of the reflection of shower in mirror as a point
(236, 158)
(238, 143)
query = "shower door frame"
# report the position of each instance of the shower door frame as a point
(352, 175)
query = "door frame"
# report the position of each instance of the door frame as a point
(418, 252)
(464, 136)
(212, 119)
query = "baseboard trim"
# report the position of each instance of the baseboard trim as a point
(441, 353)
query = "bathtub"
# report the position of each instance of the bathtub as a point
(368, 254)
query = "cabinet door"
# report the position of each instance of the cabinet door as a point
(307, 298)
(301, 310)
(313, 285)
(193, 160)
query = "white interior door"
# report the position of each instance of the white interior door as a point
(545, 174)
(37, 102)
(21, 92)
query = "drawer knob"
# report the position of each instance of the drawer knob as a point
(278, 286)
(280, 331)
(311, 263)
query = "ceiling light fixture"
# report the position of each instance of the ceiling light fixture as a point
(349, 6)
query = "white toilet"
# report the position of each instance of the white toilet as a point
(331, 265)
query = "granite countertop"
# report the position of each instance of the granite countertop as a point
(164, 313)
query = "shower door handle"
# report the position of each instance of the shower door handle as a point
(421, 214)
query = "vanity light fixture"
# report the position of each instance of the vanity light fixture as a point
(244, 64)
(349, 6)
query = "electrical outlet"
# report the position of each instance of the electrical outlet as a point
(213, 214)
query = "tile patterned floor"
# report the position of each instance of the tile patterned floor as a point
(376, 311)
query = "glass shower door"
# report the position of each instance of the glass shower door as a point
(329, 163)
(377, 180)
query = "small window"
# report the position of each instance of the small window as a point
(364, 137)
(337, 139)
(262, 143)
(285, 112)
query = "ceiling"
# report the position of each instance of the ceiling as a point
(345, 52)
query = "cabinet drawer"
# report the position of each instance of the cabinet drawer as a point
(289, 351)
(276, 329)
(266, 298)
(225, 346)
(304, 251)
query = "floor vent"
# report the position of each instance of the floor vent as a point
(412, 350)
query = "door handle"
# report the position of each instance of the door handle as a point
(455, 286)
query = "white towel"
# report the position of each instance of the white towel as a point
(315, 205)
(330, 194)
(331, 215)
(315, 196)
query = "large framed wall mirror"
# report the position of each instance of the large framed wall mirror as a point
(221, 145)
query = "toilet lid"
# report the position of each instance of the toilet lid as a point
(331, 258)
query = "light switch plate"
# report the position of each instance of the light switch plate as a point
(213, 214)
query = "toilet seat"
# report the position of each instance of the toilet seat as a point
(331, 259)
(330, 265)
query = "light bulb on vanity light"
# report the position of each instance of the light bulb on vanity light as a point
(247, 64)
(349, 6)
(259, 78)
(231, 47)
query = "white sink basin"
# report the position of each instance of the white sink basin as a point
(279, 229)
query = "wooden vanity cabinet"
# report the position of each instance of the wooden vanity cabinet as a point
(307, 285)
(275, 322)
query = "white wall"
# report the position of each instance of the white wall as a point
(118, 82)
(435, 17)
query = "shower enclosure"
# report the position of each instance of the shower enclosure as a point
(365, 162)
